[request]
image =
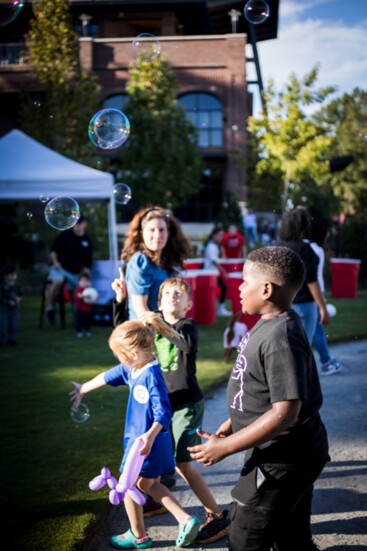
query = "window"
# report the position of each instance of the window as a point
(205, 112)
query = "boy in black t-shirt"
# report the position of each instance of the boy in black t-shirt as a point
(274, 397)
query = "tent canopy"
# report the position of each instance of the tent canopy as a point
(29, 169)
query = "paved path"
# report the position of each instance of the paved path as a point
(339, 519)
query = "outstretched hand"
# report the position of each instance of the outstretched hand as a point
(76, 395)
(119, 286)
(212, 451)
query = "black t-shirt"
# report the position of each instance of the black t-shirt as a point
(274, 364)
(74, 252)
(177, 358)
(311, 261)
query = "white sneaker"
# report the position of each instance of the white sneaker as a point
(330, 368)
(222, 311)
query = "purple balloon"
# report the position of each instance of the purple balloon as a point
(105, 472)
(114, 497)
(133, 464)
(97, 483)
(112, 482)
(136, 495)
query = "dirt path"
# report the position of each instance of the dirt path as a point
(339, 519)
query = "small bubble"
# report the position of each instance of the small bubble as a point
(29, 215)
(256, 11)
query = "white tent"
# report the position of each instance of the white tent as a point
(28, 169)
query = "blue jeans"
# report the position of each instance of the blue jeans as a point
(307, 311)
(320, 342)
(9, 323)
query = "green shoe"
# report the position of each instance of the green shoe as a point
(188, 532)
(129, 541)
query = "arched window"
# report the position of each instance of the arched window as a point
(115, 102)
(206, 114)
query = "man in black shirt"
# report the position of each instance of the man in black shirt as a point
(71, 252)
(274, 397)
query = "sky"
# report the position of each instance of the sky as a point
(331, 33)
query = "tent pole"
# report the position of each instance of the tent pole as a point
(112, 228)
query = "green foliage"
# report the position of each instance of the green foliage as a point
(354, 241)
(347, 119)
(288, 149)
(160, 160)
(59, 116)
(230, 212)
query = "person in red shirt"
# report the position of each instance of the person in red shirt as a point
(83, 309)
(233, 243)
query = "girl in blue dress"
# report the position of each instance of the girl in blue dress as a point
(148, 417)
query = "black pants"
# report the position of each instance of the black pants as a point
(83, 320)
(273, 508)
(223, 290)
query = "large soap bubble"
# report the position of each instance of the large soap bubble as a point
(62, 213)
(122, 193)
(109, 129)
(256, 11)
(80, 414)
(146, 46)
(9, 10)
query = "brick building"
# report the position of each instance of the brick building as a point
(204, 41)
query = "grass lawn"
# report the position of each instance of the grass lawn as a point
(47, 460)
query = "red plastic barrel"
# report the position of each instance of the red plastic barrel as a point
(344, 277)
(234, 280)
(205, 297)
(194, 263)
(190, 277)
(232, 264)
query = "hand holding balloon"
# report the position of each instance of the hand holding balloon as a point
(132, 468)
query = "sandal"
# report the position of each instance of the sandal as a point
(129, 541)
(188, 532)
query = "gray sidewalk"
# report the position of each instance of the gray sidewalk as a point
(339, 519)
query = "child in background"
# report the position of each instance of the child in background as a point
(148, 417)
(233, 334)
(11, 295)
(83, 311)
(177, 357)
(274, 397)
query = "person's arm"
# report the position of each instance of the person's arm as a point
(119, 310)
(244, 251)
(140, 304)
(318, 297)
(76, 395)
(269, 425)
(149, 437)
(54, 260)
(188, 340)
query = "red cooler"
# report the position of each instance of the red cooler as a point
(190, 277)
(205, 297)
(232, 264)
(194, 263)
(344, 277)
(234, 281)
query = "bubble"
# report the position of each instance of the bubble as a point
(29, 215)
(256, 11)
(37, 103)
(62, 213)
(109, 129)
(44, 198)
(122, 193)
(146, 46)
(80, 414)
(9, 10)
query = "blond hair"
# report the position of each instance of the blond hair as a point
(136, 335)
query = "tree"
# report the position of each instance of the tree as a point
(160, 161)
(59, 115)
(289, 150)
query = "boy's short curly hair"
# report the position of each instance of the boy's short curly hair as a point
(283, 265)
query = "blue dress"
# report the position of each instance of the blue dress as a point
(143, 277)
(148, 402)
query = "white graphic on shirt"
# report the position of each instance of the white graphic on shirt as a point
(141, 394)
(238, 373)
